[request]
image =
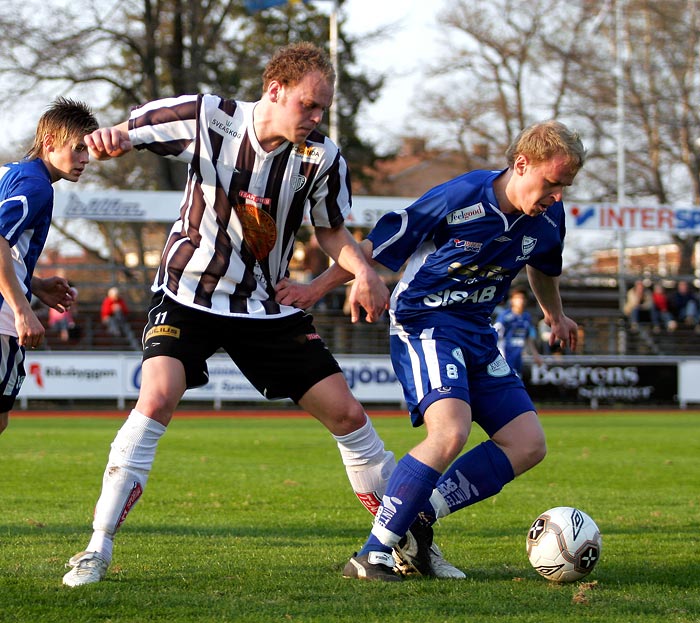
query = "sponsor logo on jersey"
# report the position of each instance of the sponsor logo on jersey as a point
(450, 297)
(266, 201)
(498, 367)
(222, 124)
(259, 229)
(164, 330)
(467, 245)
(298, 182)
(470, 272)
(528, 246)
(307, 151)
(464, 215)
(549, 220)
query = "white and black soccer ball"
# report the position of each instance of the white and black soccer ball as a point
(564, 544)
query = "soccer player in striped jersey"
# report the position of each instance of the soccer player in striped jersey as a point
(463, 242)
(59, 152)
(254, 170)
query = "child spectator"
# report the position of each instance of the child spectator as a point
(113, 312)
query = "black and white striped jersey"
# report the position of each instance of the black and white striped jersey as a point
(242, 206)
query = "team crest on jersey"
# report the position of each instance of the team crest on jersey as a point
(528, 246)
(298, 182)
(464, 215)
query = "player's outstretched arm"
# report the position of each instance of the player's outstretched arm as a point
(546, 291)
(105, 143)
(55, 292)
(368, 290)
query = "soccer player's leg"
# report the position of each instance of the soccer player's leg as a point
(502, 407)
(367, 463)
(129, 464)
(433, 376)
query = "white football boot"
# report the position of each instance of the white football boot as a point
(88, 568)
(417, 554)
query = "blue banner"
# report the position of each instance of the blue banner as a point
(253, 6)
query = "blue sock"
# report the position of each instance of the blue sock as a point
(407, 493)
(475, 476)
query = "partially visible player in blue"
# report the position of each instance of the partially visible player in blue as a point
(26, 207)
(516, 331)
(464, 241)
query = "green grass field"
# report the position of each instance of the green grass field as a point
(251, 519)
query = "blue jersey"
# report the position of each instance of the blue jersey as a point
(26, 207)
(462, 253)
(514, 330)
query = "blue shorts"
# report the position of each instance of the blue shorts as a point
(442, 363)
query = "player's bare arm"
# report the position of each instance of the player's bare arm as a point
(113, 142)
(30, 331)
(546, 290)
(368, 290)
(55, 292)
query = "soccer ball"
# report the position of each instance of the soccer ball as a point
(564, 544)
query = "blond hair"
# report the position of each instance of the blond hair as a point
(542, 141)
(63, 119)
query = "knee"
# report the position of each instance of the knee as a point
(454, 444)
(157, 407)
(534, 452)
(348, 419)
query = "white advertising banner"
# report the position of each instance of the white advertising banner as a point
(163, 206)
(87, 375)
(90, 376)
(611, 217)
(688, 386)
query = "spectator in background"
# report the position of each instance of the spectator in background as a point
(685, 305)
(662, 305)
(639, 306)
(516, 331)
(113, 312)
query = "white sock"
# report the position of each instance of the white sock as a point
(130, 460)
(367, 464)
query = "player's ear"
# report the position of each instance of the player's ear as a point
(520, 164)
(49, 143)
(273, 90)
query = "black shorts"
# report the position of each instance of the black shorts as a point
(281, 357)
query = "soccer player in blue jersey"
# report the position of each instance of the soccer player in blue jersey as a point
(462, 244)
(516, 331)
(26, 205)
